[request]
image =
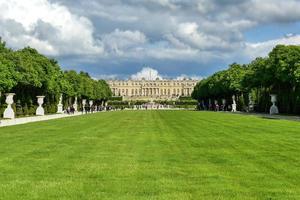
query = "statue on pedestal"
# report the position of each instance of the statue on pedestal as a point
(251, 104)
(83, 105)
(233, 104)
(75, 106)
(60, 105)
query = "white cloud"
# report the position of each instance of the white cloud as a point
(193, 77)
(189, 33)
(131, 31)
(165, 3)
(147, 73)
(273, 10)
(261, 49)
(49, 27)
(118, 42)
(106, 77)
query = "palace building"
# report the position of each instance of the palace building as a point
(152, 89)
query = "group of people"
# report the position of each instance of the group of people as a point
(86, 109)
(90, 109)
(70, 110)
(214, 107)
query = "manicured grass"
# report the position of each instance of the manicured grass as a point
(151, 155)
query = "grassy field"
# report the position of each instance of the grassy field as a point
(151, 155)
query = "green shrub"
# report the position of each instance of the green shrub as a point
(25, 110)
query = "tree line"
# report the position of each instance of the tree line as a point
(27, 73)
(278, 73)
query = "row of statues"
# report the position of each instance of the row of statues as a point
(10, 114)
(273, 109)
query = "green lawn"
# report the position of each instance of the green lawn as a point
(151, 155)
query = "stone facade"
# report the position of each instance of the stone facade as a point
(152, 89)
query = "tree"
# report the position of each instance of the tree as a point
(8, 76)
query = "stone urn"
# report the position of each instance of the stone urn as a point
(83, 104)
(274, 109)
(75, 106)
(233, 104)
(60, 105)
(40, 110)
(9, 112)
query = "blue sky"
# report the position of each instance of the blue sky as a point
(115, 39)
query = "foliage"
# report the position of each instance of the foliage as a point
(278, 73)
(28, 73)
(117, 98)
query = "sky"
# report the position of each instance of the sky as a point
(123, 39)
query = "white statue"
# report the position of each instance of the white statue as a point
(60, 105)
(40, 110)
(251, 104)
(223, 104)
(83, 104)
(91, 104)
(233, 104)
(9, 112)
(75, 105)
(274, 108)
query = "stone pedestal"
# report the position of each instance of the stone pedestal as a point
(60, 106)
(9, 112)
(75, 106)
(233, 104)
(40, 110)
(274, 109)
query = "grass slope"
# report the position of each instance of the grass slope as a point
(151, 155)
